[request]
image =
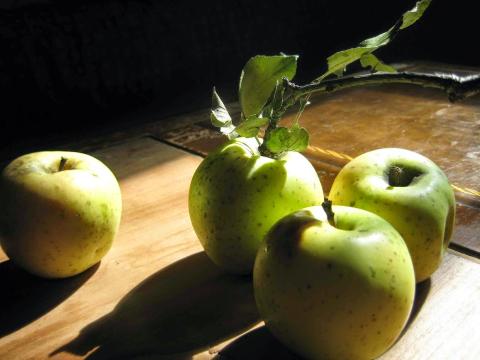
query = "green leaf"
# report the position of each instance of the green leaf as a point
(259, 78)
(410, 17)
(287, 139)
(340, 72)
(219, 114)
(277, 99)
(220, 117)
(370, 60)
(274, 104)
(375, 42)
(251, 126)
(340, 60)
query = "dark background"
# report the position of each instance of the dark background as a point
(72, 68)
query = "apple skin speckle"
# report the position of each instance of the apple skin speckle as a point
(355, 296)
(56, 224)
(248, 193)
(423, 212)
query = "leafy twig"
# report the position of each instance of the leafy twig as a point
(457, 88)
(266, 90)
(338, 62)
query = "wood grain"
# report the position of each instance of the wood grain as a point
(442, 324)
(157, 296)
(349, 123)
(358, 120)
(154, 292)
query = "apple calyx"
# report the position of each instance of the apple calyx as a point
(327, 207)
(399, 176)
(61, 166)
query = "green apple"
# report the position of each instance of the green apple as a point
(338, 289)
(60, 212)
(409, 191)
(236, 195)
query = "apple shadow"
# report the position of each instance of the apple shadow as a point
(26, 297)
(173, 314)
(421, 293)
(257, 344)
(260, 344)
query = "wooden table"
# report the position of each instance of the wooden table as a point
(157, 296)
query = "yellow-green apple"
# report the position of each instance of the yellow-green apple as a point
(340, 288)
(409, 191)
(236, 195)
(60, 212)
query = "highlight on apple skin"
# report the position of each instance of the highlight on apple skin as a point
(334, 291)
(409, 191)
(236, 195)
(60, 212)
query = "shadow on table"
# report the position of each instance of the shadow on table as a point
(25, 297)
(259, 344)
(176, 312)
(421, 293)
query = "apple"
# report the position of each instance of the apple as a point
(60, 212)
(409, 191)
(236, 195)
(338, 289)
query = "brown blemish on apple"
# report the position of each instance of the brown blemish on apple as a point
(288, 232)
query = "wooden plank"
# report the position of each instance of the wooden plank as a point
(145, 294)
(447, 315)
(358, 120)
(346, 124)
(156, 294)
(442, 326)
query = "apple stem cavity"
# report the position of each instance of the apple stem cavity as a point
(401, 177)
(327, 207)
(61, 166)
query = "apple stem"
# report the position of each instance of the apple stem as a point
(398, 176)
(61, 166)
(395, 175)
(327, 207)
